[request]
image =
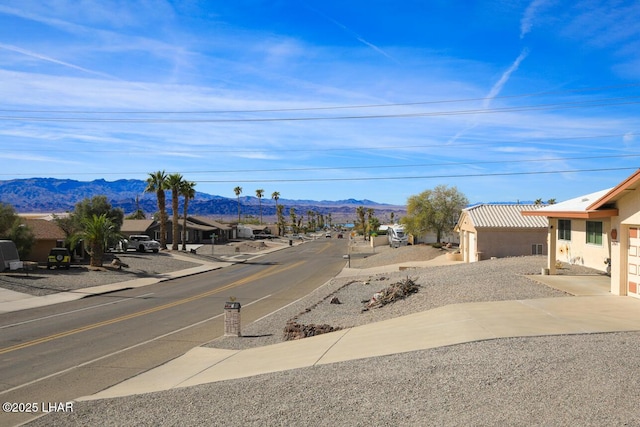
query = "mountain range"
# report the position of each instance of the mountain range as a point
(51, 195)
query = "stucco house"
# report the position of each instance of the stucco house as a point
(199, 230)
(47, 235)
(597, 227)
(500, 230)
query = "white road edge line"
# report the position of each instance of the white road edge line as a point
(120, 351)
(75, 311)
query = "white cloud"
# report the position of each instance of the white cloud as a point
(530, 14)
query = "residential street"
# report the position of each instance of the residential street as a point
(57, 353)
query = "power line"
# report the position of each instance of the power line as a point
(605, 102)
(390, 178)
(335, 107)
(334, 149)
(324, 168)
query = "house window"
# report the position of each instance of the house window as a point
(594, 232)
(564, 229)
(536, 249)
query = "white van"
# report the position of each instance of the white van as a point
(8, 254)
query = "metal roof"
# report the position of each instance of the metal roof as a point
(505, 216)
(577, 204)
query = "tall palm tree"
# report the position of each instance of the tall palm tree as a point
(157, 183)
(259, 194)
(280, 215)
(292, 214)
(97, 232)
(275, 196)
(360, 211)
(370, 212)
(238, 191)
(188, 191)
(173, 183)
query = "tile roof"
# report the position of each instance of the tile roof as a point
(45, 230)
(505, 216)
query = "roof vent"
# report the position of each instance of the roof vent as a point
(585, 199)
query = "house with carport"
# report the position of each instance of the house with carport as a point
(600, 230)
(499, 230)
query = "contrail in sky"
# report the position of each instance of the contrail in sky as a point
(55, 61)
(497, 88)
(354, 34)
(495, 91)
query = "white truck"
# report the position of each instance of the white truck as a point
(397, 236)
(141, 243)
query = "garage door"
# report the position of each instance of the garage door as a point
(633, 261)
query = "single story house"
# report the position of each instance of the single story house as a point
(599, 229)
(499, 230)
(132, 227)
(47, 236)
(199, 230)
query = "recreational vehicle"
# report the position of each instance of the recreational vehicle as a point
(397, 236)
(8, 254)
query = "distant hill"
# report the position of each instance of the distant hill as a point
(46, 195)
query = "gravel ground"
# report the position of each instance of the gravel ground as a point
(44, 282)
(561, 380)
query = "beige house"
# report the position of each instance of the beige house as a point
(500, 230)
(47, 235)
(598, 227)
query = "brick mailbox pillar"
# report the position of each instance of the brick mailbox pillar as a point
(232, 319)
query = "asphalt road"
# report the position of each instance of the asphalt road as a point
(57, 353)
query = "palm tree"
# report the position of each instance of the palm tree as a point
(292, 214)
(370, 213)
(188, 191)
(361, 217)
(97, 232)
(157, 182)
(275, 196)
(280, 215)
(238, 191)
(259, 194)
(173, 183)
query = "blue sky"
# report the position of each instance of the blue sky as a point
(506, 100)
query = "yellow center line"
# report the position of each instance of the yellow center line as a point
(262, 274)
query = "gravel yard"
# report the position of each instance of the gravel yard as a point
(582, 380)
(44, 282)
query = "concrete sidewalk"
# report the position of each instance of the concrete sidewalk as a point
(442, 326)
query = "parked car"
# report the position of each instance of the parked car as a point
(142, 243)
(59, 257)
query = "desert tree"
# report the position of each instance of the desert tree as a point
(435, 210)
(12, 227)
